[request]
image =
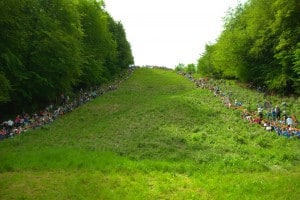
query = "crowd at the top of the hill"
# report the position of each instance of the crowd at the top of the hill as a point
(271, 118)
(24, 121)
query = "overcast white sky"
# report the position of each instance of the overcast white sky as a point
(169, 32)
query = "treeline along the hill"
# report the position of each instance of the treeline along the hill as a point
(50, 47)
(260, 45)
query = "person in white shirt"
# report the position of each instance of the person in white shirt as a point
(260, 112)
(289, 121)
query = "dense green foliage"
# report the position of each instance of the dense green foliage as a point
(259, 44)
(189, 68)
(156, 137)
(49, 47)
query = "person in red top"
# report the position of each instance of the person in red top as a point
(2, 133)
(18, 121)
(257, 120)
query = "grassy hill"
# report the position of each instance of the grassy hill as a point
(156, 137)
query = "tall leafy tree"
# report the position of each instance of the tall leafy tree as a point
(286, 27)
(5, 89)
(124, 55)
(260, 44)
(49, 47)
(15, 25)
(98, 44)
(55, 49)
(205, 65)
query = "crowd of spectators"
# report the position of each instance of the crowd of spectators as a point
(25, 121)
(270, 118)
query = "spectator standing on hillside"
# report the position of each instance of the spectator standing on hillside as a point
(295, 120)
(273, 113)
(17, 121)
(2, 133)
(269, 114)
(260, 112)
(278, 112)
(10, 123)
(284, 117)
(289, 121)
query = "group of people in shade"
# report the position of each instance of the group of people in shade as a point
(270, 118)
(23, 122)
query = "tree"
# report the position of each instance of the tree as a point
(99, 48)
(259, 44)
(179, 67)
(124, 55)
(53, 47)
(191, 68)
(5, 89)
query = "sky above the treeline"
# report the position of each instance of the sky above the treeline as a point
(169, 32)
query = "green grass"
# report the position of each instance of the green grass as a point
(156, 137)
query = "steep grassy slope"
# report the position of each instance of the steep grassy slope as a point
(156, 137)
